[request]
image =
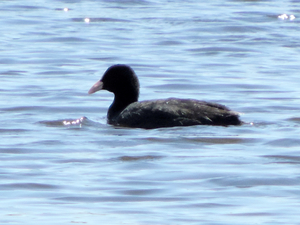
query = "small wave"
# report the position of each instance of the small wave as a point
(138, 158)
(28, 186)
(87, 20)
(75, 123)
(286, 17)
(65, 122)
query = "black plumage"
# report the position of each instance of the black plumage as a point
(128, 112)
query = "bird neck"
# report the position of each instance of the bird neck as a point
(119, 104)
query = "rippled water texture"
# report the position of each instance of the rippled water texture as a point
(62, 164)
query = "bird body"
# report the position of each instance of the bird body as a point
(175, 112)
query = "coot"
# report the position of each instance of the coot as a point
(128, 112)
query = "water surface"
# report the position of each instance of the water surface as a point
(237, 53)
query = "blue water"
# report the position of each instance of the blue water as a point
(237, 53)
